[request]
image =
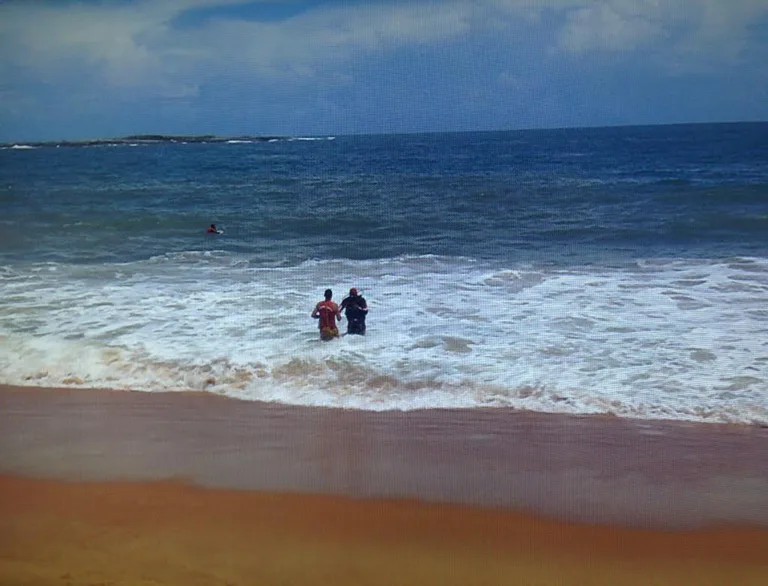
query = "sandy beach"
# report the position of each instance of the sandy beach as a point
(102, 487)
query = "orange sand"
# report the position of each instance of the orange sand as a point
(147, 530)
(54, 532)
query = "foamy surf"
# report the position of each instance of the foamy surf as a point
(652, 339)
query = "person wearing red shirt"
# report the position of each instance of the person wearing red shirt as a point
(328, 313)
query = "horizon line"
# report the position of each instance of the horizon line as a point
(208, 137)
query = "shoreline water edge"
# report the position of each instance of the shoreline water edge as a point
(589, 469)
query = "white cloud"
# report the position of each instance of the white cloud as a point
(121, 44)
(329, 35)
(619, 25)
(45, 39)
(135, 45)
(683, 34)
(721, 34)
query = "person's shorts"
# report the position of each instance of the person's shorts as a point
(356, 326)
(329, 333)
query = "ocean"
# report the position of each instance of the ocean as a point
(609, 270)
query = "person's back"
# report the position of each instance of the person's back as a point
(355, 309)
(328, 313)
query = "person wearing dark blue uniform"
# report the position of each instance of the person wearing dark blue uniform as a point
(355, 309)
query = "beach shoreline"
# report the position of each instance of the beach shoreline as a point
(593, 469)
(192, 488)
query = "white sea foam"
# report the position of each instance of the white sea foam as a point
(658, 339)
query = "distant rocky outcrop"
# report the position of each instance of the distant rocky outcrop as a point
(146, 139)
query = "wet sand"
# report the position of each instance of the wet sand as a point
(102, 487)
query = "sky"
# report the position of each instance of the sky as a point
(107, 68)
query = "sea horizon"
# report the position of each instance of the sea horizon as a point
(218, 137)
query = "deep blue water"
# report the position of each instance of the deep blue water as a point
(552, 196)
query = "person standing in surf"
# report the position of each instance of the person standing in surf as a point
(328, 313)
(355, 309)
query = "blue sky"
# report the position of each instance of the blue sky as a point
(85, 69)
